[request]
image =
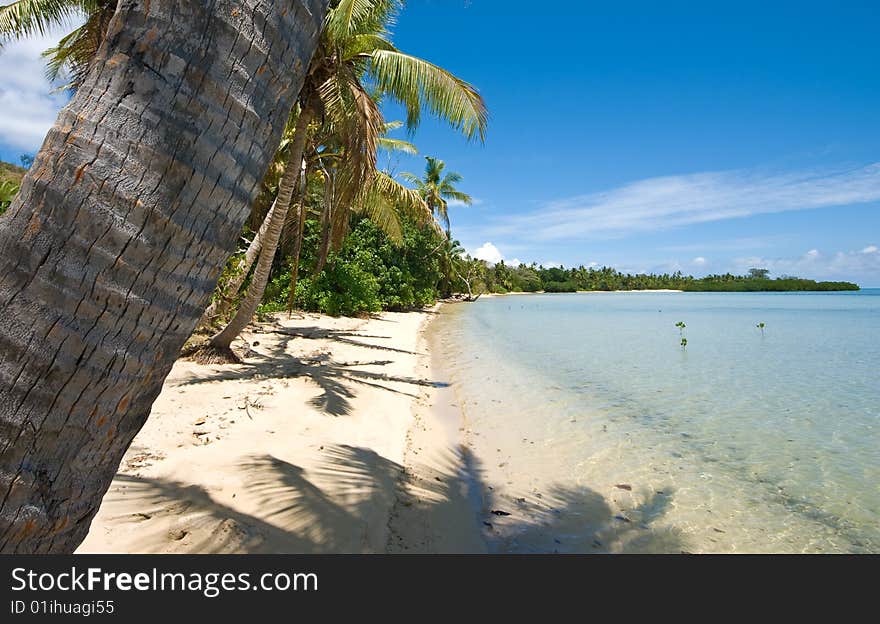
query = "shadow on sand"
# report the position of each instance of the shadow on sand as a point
(336, 379)
(362, 489)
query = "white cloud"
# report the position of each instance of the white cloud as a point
(675, 201)
(841, 265)
(514, 262)
(741, 244)
(29, 108)
(457, 203)
(489, 253)
(870, 249)
(699, 261)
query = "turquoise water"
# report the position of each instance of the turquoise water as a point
(741, 442)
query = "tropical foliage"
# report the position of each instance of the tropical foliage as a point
(370, 272)
(8, 191)
(502, 278)
(355, 68)
(10, 179)
(73, 54)
(437, 188)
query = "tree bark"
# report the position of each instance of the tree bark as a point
(110, 252)
(292, 168)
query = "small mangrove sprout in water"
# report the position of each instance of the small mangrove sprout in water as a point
(761, 327)
(681, 326)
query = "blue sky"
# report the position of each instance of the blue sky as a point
(645, 136)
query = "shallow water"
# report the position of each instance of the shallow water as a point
(598, 432)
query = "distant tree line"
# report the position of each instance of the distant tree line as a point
(502, 278)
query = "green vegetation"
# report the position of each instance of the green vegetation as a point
(503, 278)
(436, 188)
(681, 327)
(369, 273)
(10, 180)
(11, 173)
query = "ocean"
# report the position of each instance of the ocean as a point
(596, 431)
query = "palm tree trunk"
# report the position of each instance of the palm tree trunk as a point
(223, 339)
(297, 250)
(110, 252)
(326, 224)
(221, 305)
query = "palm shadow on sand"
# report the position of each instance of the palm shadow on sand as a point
(337, 380)
(300, 513)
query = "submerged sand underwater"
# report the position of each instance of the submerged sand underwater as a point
(597, 432)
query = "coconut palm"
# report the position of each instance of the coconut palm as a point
(379, 196)
(110, 251)
(437, 188)
(353, 53)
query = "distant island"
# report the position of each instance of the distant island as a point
(502, 278)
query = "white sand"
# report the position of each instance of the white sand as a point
(299, 450)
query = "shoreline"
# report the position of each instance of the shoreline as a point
(440, 498)
(582, 292)
(323, 441)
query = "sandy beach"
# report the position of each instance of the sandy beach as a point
(323, 441)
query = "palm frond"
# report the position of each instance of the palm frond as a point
(357, 121)
(450, 179)
(26, 18)
(350, 17)
(458, 196)
(397, 145)
(383, 201)
(411, 178)
(433, 169)
(74, 52)
(363, 44)
(418, 84)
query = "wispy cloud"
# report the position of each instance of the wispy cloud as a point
(863, 264)
(457, 203)
(732, 244)
(676, 201)
(29, 107)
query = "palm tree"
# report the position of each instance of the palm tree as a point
(354, 50)
(379, 196)
(110, 251)
(290, 149)
(436, 188)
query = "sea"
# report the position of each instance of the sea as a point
(594, 429)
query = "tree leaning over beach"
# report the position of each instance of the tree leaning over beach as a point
(109, 253)
(354, 52)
